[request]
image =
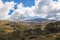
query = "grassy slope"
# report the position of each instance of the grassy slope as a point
(10, 30)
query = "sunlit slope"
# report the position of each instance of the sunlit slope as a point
(13, 30)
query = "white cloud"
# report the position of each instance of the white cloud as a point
(47, 9)
(5, 8)
(22, 13)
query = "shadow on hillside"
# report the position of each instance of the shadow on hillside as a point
(18, 31)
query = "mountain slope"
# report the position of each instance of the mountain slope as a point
(39, 20)
(12, 30)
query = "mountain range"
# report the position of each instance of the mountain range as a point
(39, 20)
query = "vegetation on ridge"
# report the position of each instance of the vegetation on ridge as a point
(10, 30)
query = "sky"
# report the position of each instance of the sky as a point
(26, 9)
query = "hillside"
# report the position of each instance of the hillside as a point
(12, 30)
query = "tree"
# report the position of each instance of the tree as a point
(51, 28)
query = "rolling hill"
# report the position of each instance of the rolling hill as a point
(15, 30)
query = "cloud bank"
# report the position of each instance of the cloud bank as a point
(5, 8)
(47, 9)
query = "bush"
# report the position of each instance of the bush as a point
(29, 32)
(16, 33)
(51, 28)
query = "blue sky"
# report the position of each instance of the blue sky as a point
(26, 3)
(49, 9)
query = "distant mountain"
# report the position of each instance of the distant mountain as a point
(20, 18)
(39, 20)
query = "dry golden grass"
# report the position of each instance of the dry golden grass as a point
(11, 30)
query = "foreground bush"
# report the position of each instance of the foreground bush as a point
(52, 27)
